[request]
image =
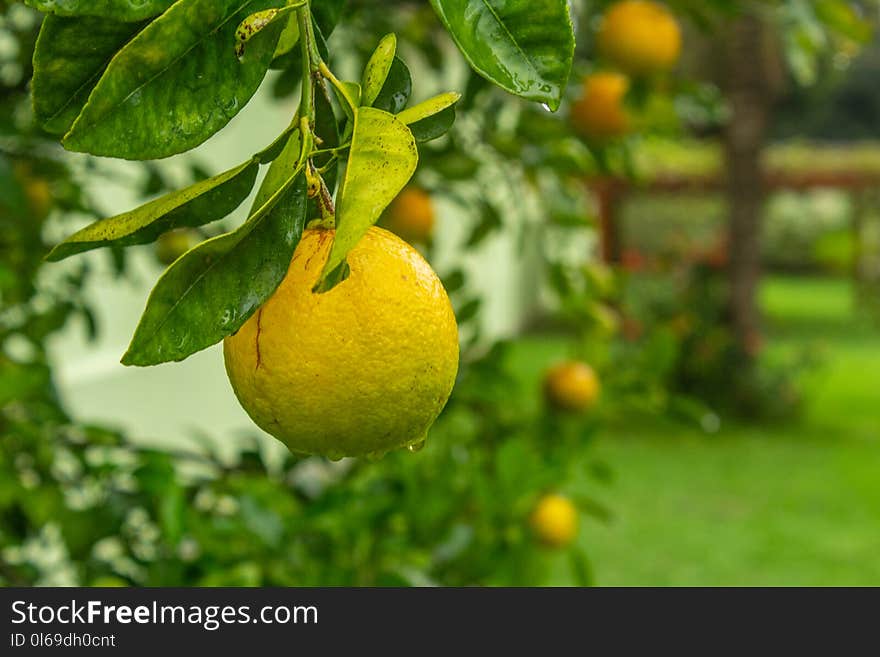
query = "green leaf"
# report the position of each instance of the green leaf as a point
(290, 79)
(120, 10)
(196, 205)
(327, 14)
(595, 508)
(69, 58)
(844, 19)
(176, 83)
(353, 89)
(258, 21)
(397, 88)
(171, 510)
(382, 159)
(279, 173)
(353, 94)
(581, 568)
(273, 150)
(468, 311)
(429, 107)
(490, 220)
(523, 46)
(431, 118)
(209, 292)
(288, 39)
(433, 126)
(320, 40)
(327, 130)
(377, 69)
(454, 281)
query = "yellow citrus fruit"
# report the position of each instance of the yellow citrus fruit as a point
(640, 37)
(356, 371)
(173, 244)
(599, 113)
(554, 520)
(571, 386)
(411, 215)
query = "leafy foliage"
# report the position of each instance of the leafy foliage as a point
(65, 73)
(109, 513)
(161, 79)
(250, 262)
(176, 83)
(119, 10)
(523, 46)
(198, 204)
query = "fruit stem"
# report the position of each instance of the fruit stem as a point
(327, 73)
(310, 61)
(322, 196)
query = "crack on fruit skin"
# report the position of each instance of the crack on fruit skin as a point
(322, 237)
(257, 338)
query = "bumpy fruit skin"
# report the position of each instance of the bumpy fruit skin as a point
(554, 520)
(360, 370)
(571, 386)
(411, 216)
(640, 37)
(599, 114)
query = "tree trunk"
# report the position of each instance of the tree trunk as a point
(749, 94)
(607, 191)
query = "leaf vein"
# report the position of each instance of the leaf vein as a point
(512, 38)
(208, 33)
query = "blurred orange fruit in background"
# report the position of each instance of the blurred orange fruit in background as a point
(554, 520)
(599, 113)
(640, 37)
(571, 386)
(411, 215)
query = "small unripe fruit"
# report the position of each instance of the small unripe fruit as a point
(173, 244)
(599, 114)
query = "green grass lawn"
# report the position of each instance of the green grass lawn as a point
(794, 504)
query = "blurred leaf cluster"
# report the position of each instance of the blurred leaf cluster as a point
(676, 335)
(81, 505)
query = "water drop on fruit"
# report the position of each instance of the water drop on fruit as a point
(417, 446)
